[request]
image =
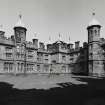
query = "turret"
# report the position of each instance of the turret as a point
(95, 56)
(20, 31)
(93, 30)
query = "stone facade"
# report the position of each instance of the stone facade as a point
(95, 49)
(17, 56)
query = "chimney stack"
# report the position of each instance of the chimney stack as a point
(77, 44)
(41, 45)
(12, 37)
(35, 43)
(49, 47)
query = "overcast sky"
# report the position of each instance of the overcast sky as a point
(51, 17)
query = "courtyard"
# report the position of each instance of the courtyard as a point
(39, 81)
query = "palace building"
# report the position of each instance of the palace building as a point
(20, 56)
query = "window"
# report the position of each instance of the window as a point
(8, 66)
(90, 47)
(30, 56)
(8, 48)
(18, 66)
(8, 55)
(63, 58)
(22, 66)
(46, 55)
(22, 56)
(29, 67)
(18, 55)
(91, 55)
(38, 59)
(95, 32)
(64, 68)
(46, 59)
(38, 67)
(54, 61)
(71, 59)
(71, 55)
(46, 67)
(30, 51)
(5, 66)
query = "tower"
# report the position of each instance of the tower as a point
(95, 63)
(20, 31)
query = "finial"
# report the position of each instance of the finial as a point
(49, 38)
(49, 42)
(60, 37)
(35, 35)
(69, 38)
(93, 13)
(20, 16)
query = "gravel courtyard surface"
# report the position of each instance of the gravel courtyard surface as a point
(38, 81)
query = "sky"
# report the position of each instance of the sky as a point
(47, 18)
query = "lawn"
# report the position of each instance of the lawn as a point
(38, 81)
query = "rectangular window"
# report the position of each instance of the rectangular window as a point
(8, 66)
(8, 55)
(8, 48)
(46, 60)
(5, 66)
(38, 67)
(46, 55)
(46, 67)
(64, 68)
(30, 56)
(63, 58)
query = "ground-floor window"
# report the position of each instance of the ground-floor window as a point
(20, 66)
(8, 66)
(38, 67)
(30, 67)
(46, 67)
(64, 68)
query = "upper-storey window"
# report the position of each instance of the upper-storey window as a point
(46, 55)
(30, 56)
(95, 32)
(63, 58)
(8, 55)
(30, 51)
(71, 55)
(46, 60)
(39, 54)
(38, 67)
(8, 49)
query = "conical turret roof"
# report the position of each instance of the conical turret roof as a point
(94, 21)
(20, 23)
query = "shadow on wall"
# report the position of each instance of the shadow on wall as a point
(80, 67)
